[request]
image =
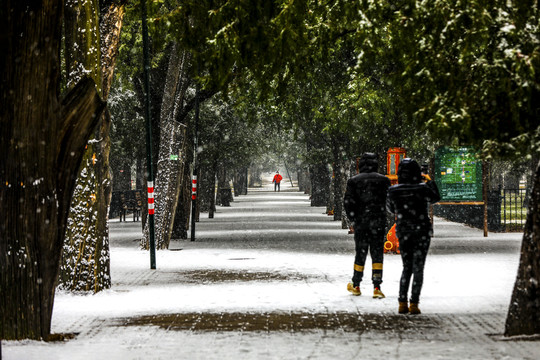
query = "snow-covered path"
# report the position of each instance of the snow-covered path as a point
(265, 279)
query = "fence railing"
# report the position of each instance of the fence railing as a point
(507, 211)
(514, 203)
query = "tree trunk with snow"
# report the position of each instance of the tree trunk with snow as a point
(42, 142)
(255, 178)
(183, 209)
(524, 312)
(158, 77)
(340, 183)
(85, 257)
(206, 186)
(320, 184)
(223, 197)
(240, 181)
(212, 208)
(303, 181)
(340, 176)
(172, 149)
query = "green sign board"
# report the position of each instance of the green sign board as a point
(458, 174)
(174, 157)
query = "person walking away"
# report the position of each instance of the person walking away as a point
(409, 200)
(364, 203)
(277, 181)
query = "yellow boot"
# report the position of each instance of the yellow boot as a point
(403, 307)
(355, 290)
(413, 309)
(377, 293)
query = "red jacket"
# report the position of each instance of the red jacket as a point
(277, 178)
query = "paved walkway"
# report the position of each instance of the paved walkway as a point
(265, 279)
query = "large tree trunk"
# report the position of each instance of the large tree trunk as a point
(42, 142)
(85, 258)
(183, 209)
(206, 185)
(303, 181)
(524, 312)
(172, 149)
(340, 184)
(240, 181)
(320, 184)
(110, 27)
(80, 256)
(224, 195)
(255, 179)
(340, 176)
(157, 83)
(212, 208)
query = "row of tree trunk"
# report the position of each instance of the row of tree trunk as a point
(55, 184)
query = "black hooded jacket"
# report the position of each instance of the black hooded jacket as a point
(410, 198)
(365, 197)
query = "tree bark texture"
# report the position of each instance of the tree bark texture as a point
(172, 148)
(110, 27)
(240, 182)
(524, 312)
(223, 197)
(42, 142)
(85, 257)
(181, 219)
(320, 184)
(206, 185)
(303, 181)
(255, 175)
(157, 83)
(339, 176)
(212, 208)
(340, 184)
(82, 54)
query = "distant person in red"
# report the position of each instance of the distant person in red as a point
(277, 181)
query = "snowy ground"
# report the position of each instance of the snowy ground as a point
(266, 278)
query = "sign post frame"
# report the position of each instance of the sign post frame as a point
(480, 182)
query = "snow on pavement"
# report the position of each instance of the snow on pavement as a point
(272, 253)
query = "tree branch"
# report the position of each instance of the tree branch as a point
(203, 96)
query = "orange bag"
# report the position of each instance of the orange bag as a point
(392, 242)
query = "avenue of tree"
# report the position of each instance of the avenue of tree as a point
(303, 84)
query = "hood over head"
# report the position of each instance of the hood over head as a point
(409, 172)
(368, 163)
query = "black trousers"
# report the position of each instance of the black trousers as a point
(369, 239)
(276, 186)
(414, 247)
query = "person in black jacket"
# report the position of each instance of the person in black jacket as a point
(409, 200)
(364, 204)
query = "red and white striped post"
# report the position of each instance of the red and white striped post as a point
(152, 244)
(194, 187)
(193, 203)
(150, 197)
